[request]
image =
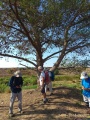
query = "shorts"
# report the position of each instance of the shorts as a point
(43, 90)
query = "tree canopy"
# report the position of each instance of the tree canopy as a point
(31, 28)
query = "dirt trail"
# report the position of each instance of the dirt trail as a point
(64, 104)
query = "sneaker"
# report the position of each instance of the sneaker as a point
(45, 101)
(87, 104)
(21, 112)
(11, 115)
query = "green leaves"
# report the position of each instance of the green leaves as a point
(37, 26)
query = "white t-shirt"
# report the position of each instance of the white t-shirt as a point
(40, 78)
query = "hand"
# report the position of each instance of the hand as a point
(85, 88)
(18, 87)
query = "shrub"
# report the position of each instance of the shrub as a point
(32, 80)
(2, 88)
(56, 72)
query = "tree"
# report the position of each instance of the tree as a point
(35, 27)
(75, 62)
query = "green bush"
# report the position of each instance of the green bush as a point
(56, 72)
(2, 88)
(30, 87)
(66, 77)
(30, 82)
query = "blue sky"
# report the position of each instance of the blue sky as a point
(5, 63)
(11, 63)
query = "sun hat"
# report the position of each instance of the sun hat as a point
(84, 75)
(18, 73)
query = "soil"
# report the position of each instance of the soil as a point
(64, 104)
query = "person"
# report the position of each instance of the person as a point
(85, 82)
(42, 83)
(50, 83)
(15, 84)
(47, 79)
(51, 78)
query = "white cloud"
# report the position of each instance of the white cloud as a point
(8, 63)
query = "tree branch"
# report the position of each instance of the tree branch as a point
(20, 58)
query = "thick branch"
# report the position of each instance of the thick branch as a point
(20, 58)
(47, 58)
(76, 47)
(20, 21)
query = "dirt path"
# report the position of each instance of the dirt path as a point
(64, 104)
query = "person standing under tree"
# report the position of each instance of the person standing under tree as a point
(42, 83)
(15, 84)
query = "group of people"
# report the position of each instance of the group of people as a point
(16, 83)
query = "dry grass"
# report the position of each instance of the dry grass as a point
(64, 104)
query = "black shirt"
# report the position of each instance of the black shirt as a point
(15, 84)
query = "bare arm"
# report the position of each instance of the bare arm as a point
(42, 81)
(83, 88)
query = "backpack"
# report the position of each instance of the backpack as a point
(47, 78)
(52, 75)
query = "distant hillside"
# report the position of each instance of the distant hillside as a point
(10, 71)
(32, 71)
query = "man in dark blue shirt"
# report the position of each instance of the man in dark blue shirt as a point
(15, 84)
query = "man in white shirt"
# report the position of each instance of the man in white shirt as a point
(42, 83)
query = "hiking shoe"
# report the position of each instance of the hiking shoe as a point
(45, 101)
(21, 112)
(86, 104)
(11, 115)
